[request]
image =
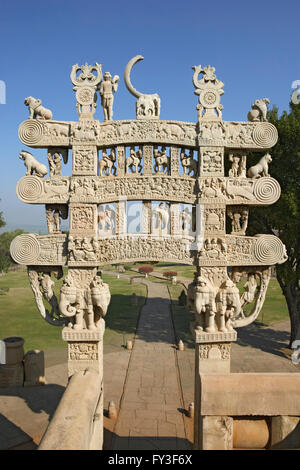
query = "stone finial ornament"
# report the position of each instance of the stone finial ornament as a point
(108, 87)
(36, 110)
(33, 166)
(86, 85)
(209, 89)
(147, 106)
(259, 110)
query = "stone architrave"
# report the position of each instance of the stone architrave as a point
(148, 159)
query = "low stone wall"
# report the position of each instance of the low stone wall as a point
(249, 411)
(78, 420)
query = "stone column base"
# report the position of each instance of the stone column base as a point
(85, 349)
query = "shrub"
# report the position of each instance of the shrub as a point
(145, 270)
(170, 274)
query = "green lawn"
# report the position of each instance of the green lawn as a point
(19, 315)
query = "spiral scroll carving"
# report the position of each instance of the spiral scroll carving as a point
(25, 249)
(265, 135)
(31, 132)
(29, 189)
(269, 250)
(267, 190)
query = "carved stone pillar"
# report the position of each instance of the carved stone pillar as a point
(85, 349)
(212, 355)
(174, 219)
(121, 219)
(121, 160)
(148, 159)
(174, 156)
(146, 217)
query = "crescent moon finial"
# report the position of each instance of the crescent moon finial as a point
(127, 71)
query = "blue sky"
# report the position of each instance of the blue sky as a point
(254, 47)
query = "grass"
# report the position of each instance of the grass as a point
(19, 315)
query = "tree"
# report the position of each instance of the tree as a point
(283, 218)
(5, 240)
(2, 221)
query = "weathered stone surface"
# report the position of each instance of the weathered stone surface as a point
(250, 394)
(285, 432)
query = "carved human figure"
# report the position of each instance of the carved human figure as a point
(160, 219)
(88, 249)
(203, 304)
(229, 305)
(239, 219)
(162, 163)
(238, 167)
(185, 220)
(249, 290)
(133, 162)
(234, 171)
(108, 87)
(53, 215)
(105, 217)
(107, 164)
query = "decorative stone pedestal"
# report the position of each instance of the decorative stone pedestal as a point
(85, 349)
(212, 355)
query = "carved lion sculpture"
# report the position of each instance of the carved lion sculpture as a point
(261, 168)
(36, 109)
(33, 166)
(259, 110)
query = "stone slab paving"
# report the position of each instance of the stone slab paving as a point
(151, 414)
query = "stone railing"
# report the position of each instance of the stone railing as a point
(248, 411)
(77, 423)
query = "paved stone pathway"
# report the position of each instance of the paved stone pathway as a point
(151, 415)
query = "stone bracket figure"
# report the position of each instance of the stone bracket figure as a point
(201, 300)
(147, 106)
(42, 287)
(87, 304)
(229, 305)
